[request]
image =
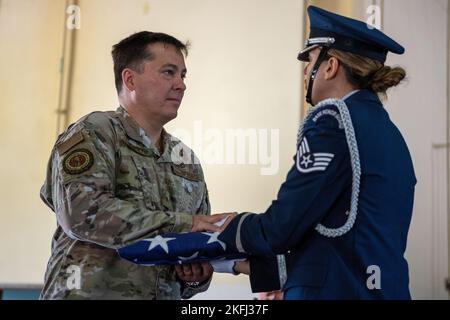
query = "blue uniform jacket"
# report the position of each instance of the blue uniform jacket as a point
(365, 263)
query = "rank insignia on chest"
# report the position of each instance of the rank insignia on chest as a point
(308, 162)
(78, 161)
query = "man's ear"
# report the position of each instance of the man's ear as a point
(332, 68)
(128, 79)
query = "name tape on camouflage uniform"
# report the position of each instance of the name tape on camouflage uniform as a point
(71, 142)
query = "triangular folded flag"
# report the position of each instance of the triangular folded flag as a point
(179, 248)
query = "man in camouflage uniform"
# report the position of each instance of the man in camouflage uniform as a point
(115, 178)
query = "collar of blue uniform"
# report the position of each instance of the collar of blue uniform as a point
(348, 95)
(144, 145)
(354, 158)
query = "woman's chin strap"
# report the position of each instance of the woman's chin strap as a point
(320, 59)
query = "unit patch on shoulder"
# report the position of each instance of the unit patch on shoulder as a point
(78, 161)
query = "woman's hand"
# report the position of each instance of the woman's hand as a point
(242, 267)
(210, 223)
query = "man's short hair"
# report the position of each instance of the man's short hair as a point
(131, 52)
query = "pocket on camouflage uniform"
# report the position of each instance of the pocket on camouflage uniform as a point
(128, 184)
(189, 185)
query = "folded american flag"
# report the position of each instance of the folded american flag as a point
(179, 248)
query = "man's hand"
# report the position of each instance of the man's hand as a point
(242, 267)
(225, 223)
(207, 223)
(194, 272)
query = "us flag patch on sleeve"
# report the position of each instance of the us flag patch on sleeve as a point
(308, 161)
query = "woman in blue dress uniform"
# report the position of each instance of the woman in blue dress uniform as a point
(338, 228)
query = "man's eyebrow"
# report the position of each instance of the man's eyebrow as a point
(170, 65)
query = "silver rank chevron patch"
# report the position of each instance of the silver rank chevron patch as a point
(308, 162)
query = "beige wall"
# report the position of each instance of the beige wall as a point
(419, 108)
(343, 7)
(30, 38)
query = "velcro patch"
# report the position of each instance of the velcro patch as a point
(78, 161)
(65, 146)
(187, 171)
